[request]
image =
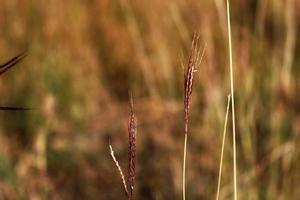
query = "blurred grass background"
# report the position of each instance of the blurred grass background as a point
(84, 57)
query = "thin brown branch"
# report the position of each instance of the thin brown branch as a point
(14, 108)
(12, 62)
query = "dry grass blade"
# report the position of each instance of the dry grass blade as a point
(194, 61)
(131, 150)
(222, 150)
(3, 68)
(232, 104)
(119, 169)
(14, 108)
(12, 62)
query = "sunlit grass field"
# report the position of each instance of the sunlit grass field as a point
(83, 60)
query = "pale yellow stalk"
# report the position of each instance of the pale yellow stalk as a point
(222, 150)
(232, 103)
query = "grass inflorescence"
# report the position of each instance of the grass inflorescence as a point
(132, 131)
(193, 64)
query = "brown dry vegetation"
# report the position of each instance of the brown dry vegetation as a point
(84, 57)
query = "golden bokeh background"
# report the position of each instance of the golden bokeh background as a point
(84, 57)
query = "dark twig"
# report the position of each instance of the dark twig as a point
(12, 62)
(14, 108)
(3, 68)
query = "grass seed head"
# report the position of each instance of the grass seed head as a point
(193, 63)
(132, 149)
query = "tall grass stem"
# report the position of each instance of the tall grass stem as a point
(223, 145)
(184, 164)
(232, 103)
